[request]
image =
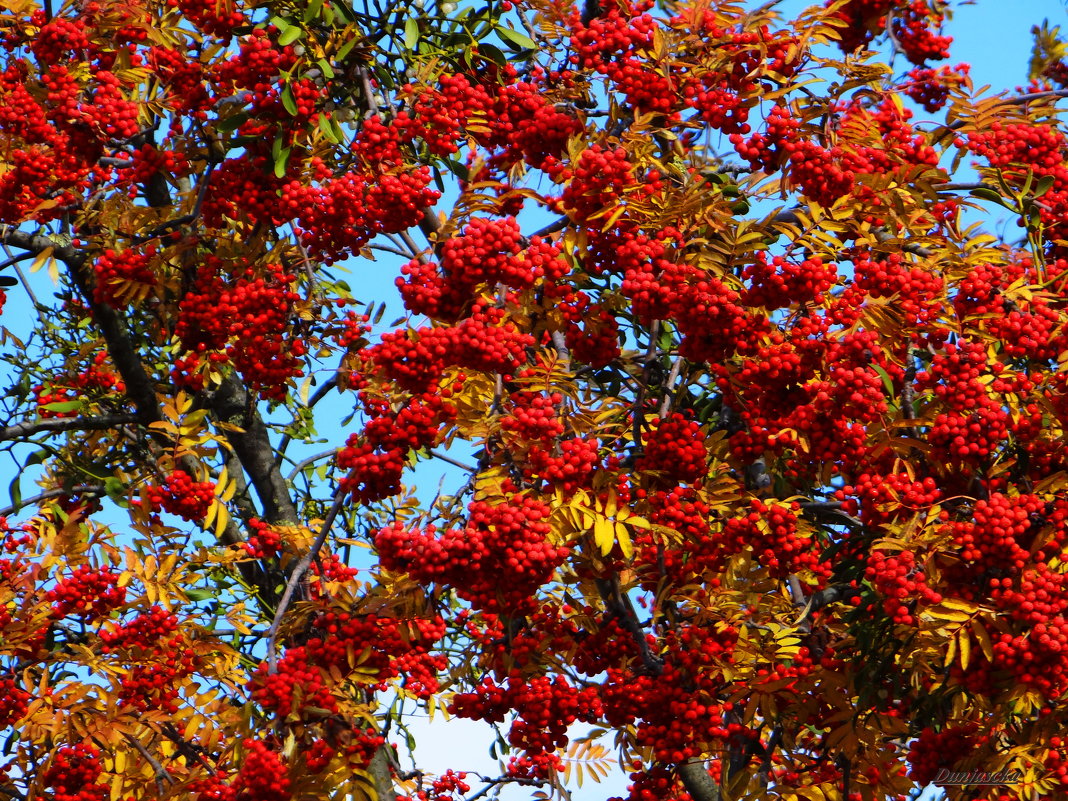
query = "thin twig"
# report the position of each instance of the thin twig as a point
(161, 772)
(320, 392)
(80, 489)
(298, 572)
(676, 368)
(310, 460)
(446, 458)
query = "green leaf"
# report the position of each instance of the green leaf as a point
(1044, 184)
(37, 457)
(280, 162)
(198, 595)
(493, 53)
(345, 50)
(986, 193)
(340, 134)
(411, 33)
(290, 35)
(63, 406)
(327, 70)
(520, 40)
(326, 129)
(888, 383)
(289, 101)
(14, 490)
(313, 9)
(232, 123)
(457, 168)
(281, 23)
(115, 490)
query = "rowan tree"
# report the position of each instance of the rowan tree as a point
(760, 407)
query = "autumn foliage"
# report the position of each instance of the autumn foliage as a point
(746, 334)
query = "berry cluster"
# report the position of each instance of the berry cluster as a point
(96, 383)
(930, 88)
(568, 469)
(443, 787)
(264, 541)
(901, 583)
(142, 632)
(155, 685)
(497, 561)
(88, 592)
(14, 701)
(933, 750)
(263, 775)
(249, 316)
(544, 709)
(376, 457)
(73, 773)
(182, 496)
(674, 448)
(771, 531)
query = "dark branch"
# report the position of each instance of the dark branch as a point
(232, 404)
(29, 428)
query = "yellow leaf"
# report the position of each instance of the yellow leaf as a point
(625, 544)
(610, 507)
(951, 653)
(983, 637)
(962, 606)
(965, 644)
(604, 534)
(222, 520)
(40, 259)
(942, 612)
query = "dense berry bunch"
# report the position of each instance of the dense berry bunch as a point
(934, 750)
(155, 685)
(914, 28)
(263, 775)
(534, 417)
(443, 787)
(264, 541)
(881, 499)
(497, 561)
(917, 291)
(930, 88)
(96, 383)
(901, 582)
(592, 334)
(783, 283)
(143, 632)
(771, 531)
(73, 773)
(569, 469)
(675, 448)
(182, 496)
(598, 179)
(376, 457)
(249, 315)
(89, 592)
(14, 702)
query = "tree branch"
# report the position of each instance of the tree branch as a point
(697, 781)
(231, 403)
(80, 489)
(298, 572)
(29, 428)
